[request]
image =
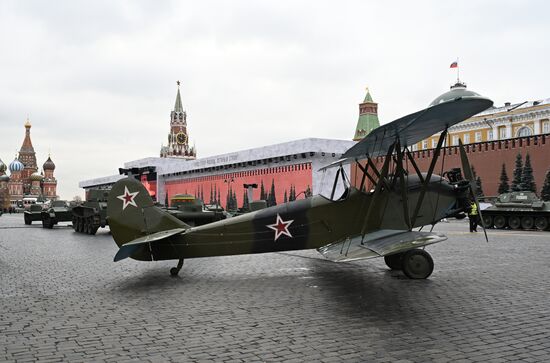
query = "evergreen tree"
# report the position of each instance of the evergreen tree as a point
(527, 179)
(216, 198)
(246, 204)
(503, 187)
(263, 195)
(272, 198)
(545, 191)
(166, 200)
(518, 171)
(308, 192)
(285, 198)
(479, 188)
(292, 195)
(211, 195)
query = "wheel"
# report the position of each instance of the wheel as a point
(89, 226)
(488, 221)
(514, 222)
(417, 264)
(541, 223)
(527, 222)
(79, 224)
(94, 230)
(75, 222)
(394, 261)
(174, 271)
(27, 219)
(500, 222)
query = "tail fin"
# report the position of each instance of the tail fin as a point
(132, 214)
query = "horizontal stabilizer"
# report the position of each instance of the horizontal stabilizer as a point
(129, 248)
(377, 244)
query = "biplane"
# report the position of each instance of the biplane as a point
(382, 217)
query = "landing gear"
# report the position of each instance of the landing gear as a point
(417, 264)
(174, 271)
(394, 261)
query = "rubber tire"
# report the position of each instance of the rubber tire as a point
(499, 222)
(79, 224)
(488, 221)
(527, 222)
(94, 230)
(75, 221)
(89, 226)
(417, 264)
(514, 222)
(27, 219)
(394, 261)
(174, 271)
(541, 223)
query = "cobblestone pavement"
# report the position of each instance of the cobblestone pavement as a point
(62, 298)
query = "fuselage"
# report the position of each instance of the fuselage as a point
(311, 223)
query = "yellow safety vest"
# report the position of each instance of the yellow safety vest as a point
(473, 210)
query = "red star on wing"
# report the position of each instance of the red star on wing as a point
(128, 198)
(280, 227)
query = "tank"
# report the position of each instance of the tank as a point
(518, 210)
(59, 211)
(32, 214)
(91, 214)
(192, 211)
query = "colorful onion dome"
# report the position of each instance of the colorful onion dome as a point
(4, 178)
(36, 177)
(16, 165)
(48, 165)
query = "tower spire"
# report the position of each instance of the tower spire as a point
(368, 117)
(178, 106)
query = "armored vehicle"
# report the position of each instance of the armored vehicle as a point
(59, 211)
(91, 214)
(192, 211)
(518, 210)
(33, 213)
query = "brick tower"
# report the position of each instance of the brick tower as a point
(178, 138)
(368, 117)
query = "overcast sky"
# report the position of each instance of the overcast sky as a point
(98, 78)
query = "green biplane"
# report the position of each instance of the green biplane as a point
(360, 224)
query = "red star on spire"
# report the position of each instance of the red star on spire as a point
(281, 227)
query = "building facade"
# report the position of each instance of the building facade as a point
(178, 137)
(24, 183)
(509, 121)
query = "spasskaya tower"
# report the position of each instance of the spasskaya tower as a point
(178, 138)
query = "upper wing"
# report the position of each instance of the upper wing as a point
(451, 108)
(380, 243)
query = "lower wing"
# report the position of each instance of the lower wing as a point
(377, 244)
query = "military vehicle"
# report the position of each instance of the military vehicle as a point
(91, 214)
(33, 214)
(374, 220)
(192, 211)
(518, 210)
(59, 211)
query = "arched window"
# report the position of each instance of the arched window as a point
(524, 131)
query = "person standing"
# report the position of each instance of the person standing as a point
(473, 216)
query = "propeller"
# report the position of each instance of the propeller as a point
(469, 175)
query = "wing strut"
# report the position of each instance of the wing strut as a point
(376, 194)
(401, 176)
(429, 175)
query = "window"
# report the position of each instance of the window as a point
(424, 144)
(455, 140)
(524, 131)
(478, 136)
(434, 143)
(546, 127)
(415, 147)
(490, 135)
(502, 133)
(466, 138)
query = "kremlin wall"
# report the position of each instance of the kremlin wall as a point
(493, 137)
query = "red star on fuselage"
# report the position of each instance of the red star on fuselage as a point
(128, 198)
(281, 227)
